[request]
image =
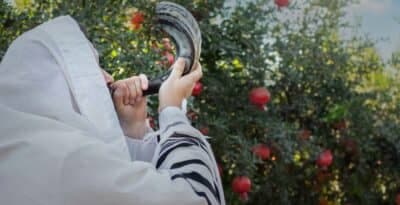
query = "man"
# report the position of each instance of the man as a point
(62, 141)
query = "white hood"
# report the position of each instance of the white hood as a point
(52, 71)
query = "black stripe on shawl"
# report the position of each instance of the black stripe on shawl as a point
(180, 164)
(162, 158)
(200, 179)
(200, 193)
(173, 142)
(177, 136)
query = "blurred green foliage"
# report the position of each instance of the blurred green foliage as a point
(336, 89)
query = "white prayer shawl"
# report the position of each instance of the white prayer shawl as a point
(61, 143)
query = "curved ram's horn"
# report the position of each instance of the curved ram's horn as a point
(184, 31)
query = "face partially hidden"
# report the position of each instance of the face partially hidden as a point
(107, 77)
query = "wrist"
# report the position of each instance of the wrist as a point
(171, 115)
(135, 130)
(175, 103)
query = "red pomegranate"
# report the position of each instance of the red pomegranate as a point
(198, 87)
(137, 19)
(262, 151)
(204, 130)
(325, 159)
(398, 199)
(241, 184)
(259, 96)
(282, 3)
(169, 57)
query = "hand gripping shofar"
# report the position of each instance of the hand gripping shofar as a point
(185, 33)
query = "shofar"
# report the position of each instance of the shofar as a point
(185, 33)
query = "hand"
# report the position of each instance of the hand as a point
(178, 87)
(131, 105)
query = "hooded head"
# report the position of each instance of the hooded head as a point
(52, 71)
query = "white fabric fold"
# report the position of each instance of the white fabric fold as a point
(86, 80)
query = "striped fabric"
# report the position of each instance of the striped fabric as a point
(187, 155)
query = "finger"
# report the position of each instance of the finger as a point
(144, 81)
(132, 90)
(118, 97)
(196, 74)
(138, 86)
(178, 68)
(124, 88)
(126, 92)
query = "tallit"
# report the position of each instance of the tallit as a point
(60, 141)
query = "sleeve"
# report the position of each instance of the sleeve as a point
(185, 153)
(143, 149)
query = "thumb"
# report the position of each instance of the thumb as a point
(196, 74)
(178, 68)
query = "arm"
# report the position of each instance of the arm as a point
(132, 113)
(186, 154)
(182, 152)
(144, 149)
